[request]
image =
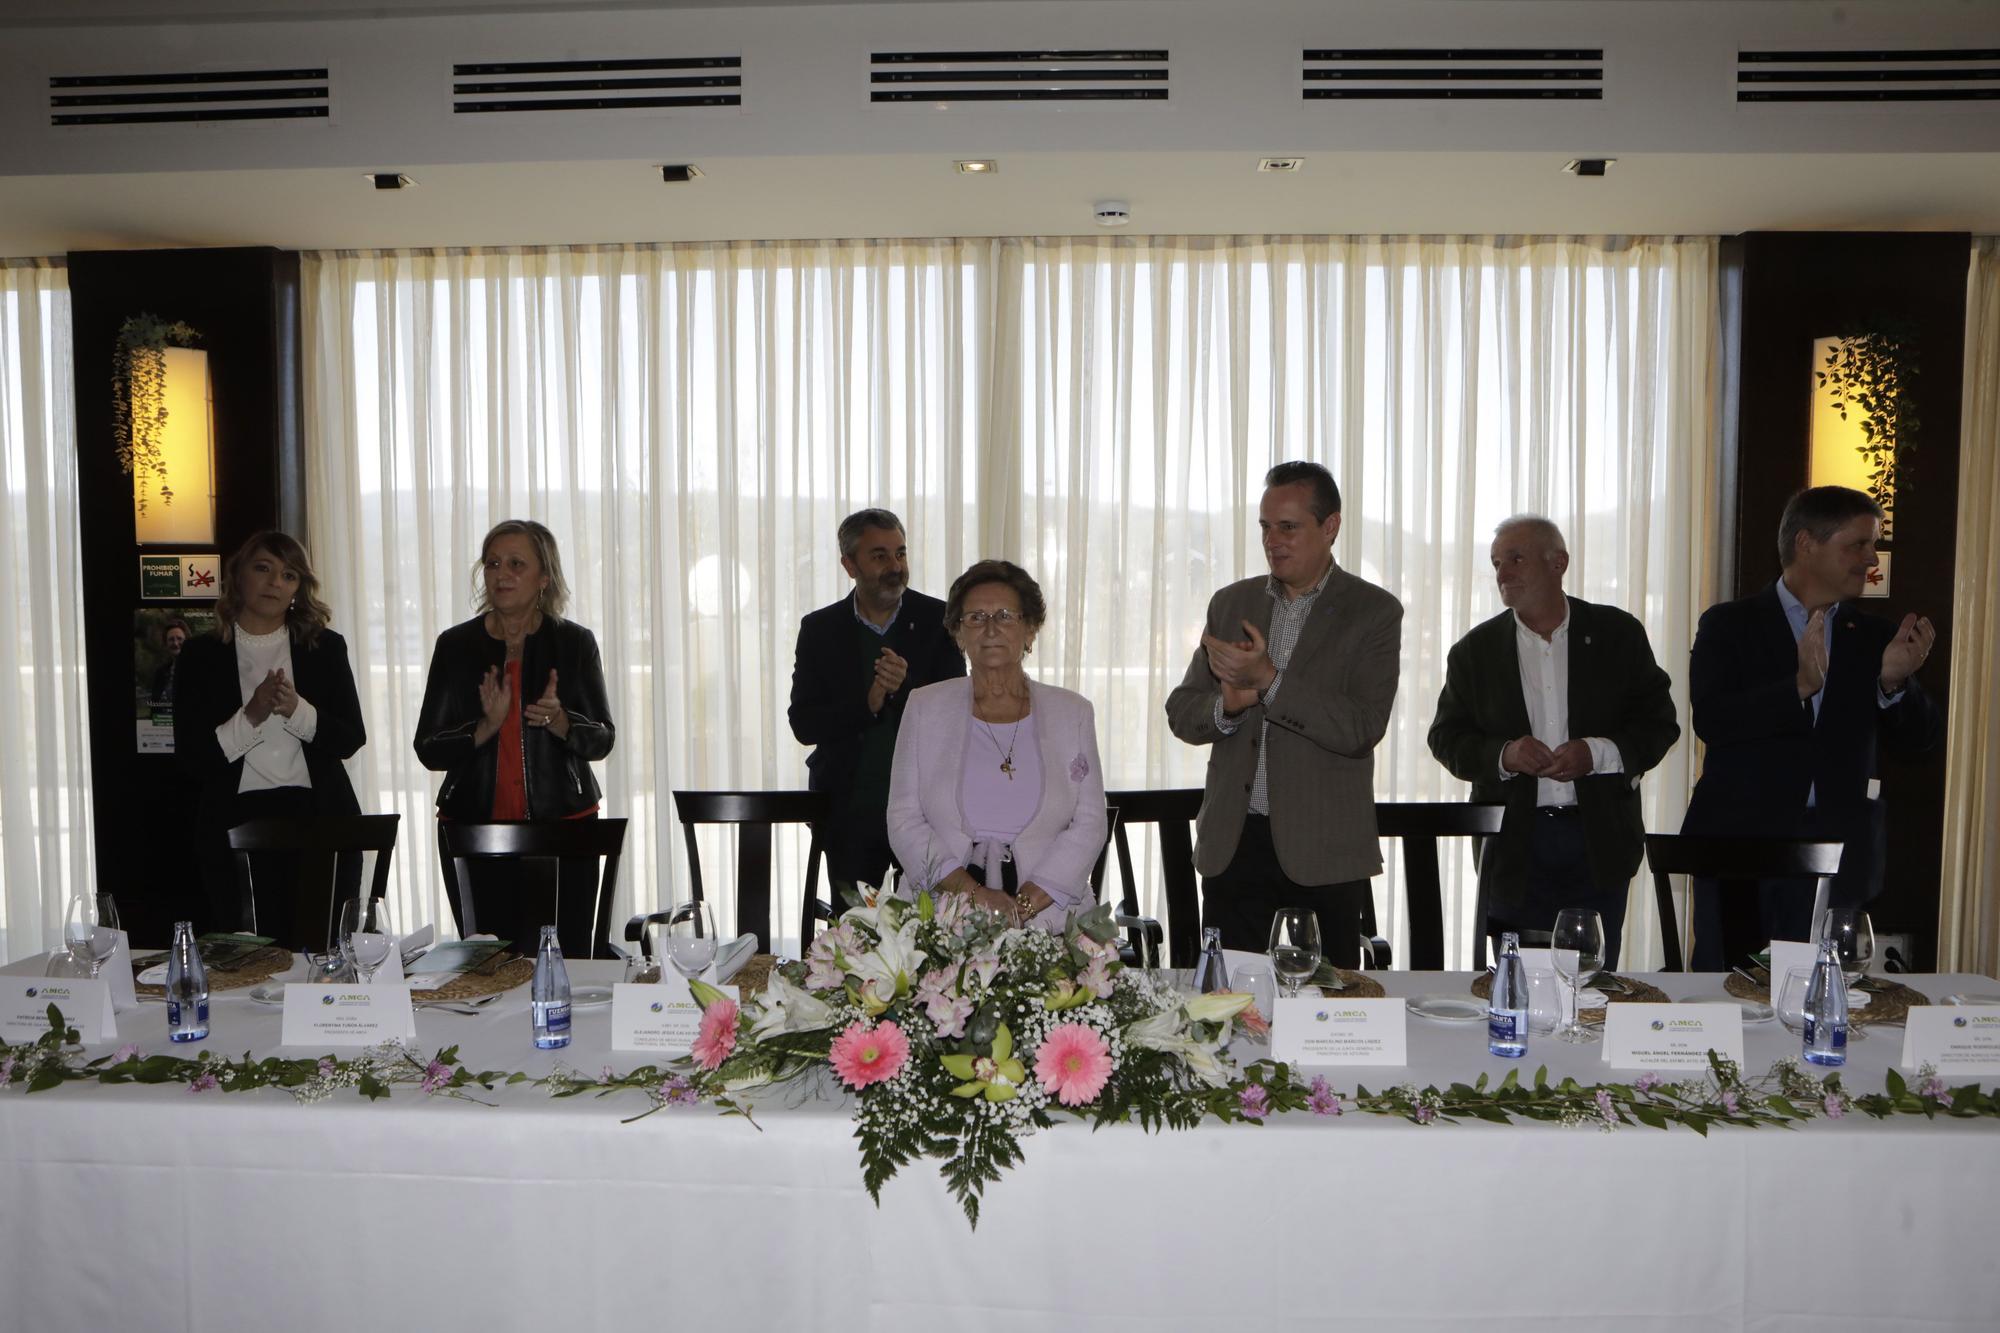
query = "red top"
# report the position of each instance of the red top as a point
(510, 783)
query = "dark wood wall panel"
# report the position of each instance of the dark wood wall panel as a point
(245, 303)
(1798, 286)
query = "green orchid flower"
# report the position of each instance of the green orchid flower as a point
(997, 1077)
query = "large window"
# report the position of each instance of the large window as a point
(45, 851)
(694, 420)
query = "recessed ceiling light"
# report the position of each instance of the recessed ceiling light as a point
(1588, 166)
(680, 173)
(978, 166)
(1112, 213)
(1281, 164)
(389, 180)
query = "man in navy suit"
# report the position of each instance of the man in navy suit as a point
(1794, 690)
(1557, 708)
(857, 662)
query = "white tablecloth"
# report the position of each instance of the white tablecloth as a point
(132, 1207)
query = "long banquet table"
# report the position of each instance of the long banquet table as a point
(148, 1207)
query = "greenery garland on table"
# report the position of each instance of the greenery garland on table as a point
(139, 398)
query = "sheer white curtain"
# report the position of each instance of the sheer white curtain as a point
(1446, 383)
(1969, 910)
(693, 420)
(45, 827)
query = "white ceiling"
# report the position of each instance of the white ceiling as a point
(808, 157)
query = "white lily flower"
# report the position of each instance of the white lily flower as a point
(788, 1008)
(896, 961)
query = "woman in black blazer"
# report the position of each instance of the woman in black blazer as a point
(265, 712)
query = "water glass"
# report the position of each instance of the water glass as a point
(688, 938)
(366, 935)
(1576, 947)
(1255, 980)
(1790, 997)
(1545, 1001)
(1295, 947)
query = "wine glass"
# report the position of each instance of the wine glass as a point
(1576, 947)
(366, 935)
(1295, 949)
(86, 935)
(688, 938)
(1853, 936)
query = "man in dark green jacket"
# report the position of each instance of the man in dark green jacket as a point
(1555, 707)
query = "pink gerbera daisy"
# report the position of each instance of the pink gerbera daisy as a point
(718, 1034)
(863, 1055)
(1073, 1063)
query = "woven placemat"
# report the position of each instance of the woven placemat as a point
(260, 966)
(1358, 986)
(1888, 1001)
(516, 971)
(754, 975)
(1630, 990)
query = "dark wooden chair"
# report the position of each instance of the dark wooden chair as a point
(1418, 825)
(517, 909)
(1732, 860)
(322, 860)
(753, 813)
(1173, 810)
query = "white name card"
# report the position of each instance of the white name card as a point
(1671, 1036)
(347, 1015)
(85, 1005)
(118, 971)
(660, 1019)
(1957, 1039)
(1328, 1031)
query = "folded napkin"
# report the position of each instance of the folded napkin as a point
(730, 957)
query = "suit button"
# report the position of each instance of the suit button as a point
(1246, 786)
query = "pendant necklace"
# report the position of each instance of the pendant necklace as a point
(1006, 759)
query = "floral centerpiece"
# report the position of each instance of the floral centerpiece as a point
(959, 1035)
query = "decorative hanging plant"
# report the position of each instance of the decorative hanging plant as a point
(1872, 374)
(139, 399)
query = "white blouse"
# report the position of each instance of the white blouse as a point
(273, 754)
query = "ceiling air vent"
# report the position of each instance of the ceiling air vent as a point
(940, 78)
(1454, 74)
(196, 95)
(666, 82)
(1868, 76)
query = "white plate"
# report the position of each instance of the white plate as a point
(268, 992)
(1981, 999)
(1449, 1008)
(589, 997)
(1754, 1011)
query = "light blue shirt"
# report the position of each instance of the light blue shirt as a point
(881, 630)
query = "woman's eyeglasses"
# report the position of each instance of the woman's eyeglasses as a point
(978, 620)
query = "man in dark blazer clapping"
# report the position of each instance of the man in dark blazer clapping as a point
(1556, 708)
(1794, 690)
(857, 663)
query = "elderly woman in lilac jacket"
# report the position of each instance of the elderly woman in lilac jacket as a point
(997, 791)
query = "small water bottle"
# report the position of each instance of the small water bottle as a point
(548, 997)
(1210, 972)
(187, 987)
(1826, 1009)
(1507, 1010)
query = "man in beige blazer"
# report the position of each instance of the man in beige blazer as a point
(1291, 688)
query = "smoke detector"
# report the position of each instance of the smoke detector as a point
(1111, 213)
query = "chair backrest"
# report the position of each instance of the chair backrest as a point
(1728, 860)
(753, 813)
(1419, 825)
(1173, 810)
(327, 846)
(549, 841)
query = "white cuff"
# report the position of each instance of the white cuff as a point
(237, 737)
(1604, 756)
(1222, 722)
(304, 721)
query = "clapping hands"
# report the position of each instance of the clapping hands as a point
(1906, 651)
(274, 694)
(1566, 763)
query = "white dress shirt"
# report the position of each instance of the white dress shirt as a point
(1545, 689)
(273, 754)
